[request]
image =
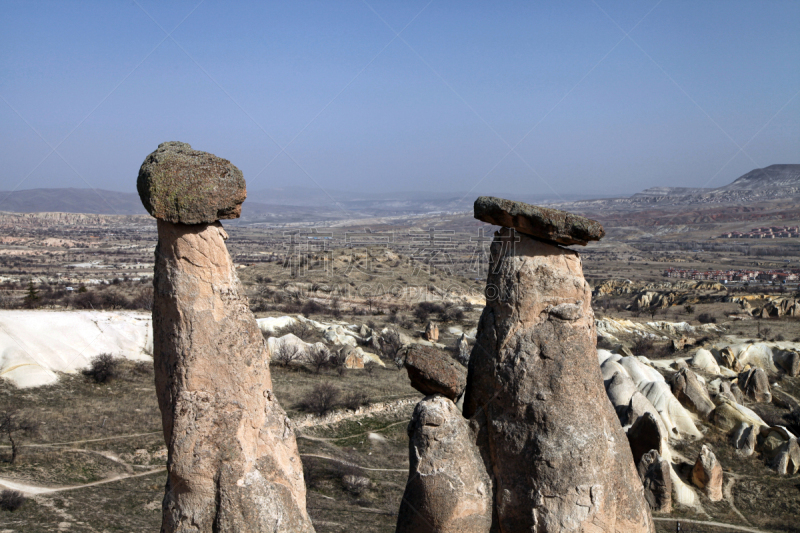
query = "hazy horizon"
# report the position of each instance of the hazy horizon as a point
(586, 98)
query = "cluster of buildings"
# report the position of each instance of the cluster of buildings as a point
(772, 232)
(775, 276)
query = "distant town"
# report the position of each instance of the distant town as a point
(772, 232)
(775, 276)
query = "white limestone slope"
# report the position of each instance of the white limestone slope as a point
(36, 344)
(677, 420)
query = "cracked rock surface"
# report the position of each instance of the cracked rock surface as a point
(233, 463)
(448, 490)
(557, 455)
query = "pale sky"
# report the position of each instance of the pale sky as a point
(572, 97)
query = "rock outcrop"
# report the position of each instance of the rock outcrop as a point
(645, 435)
(448, 489)
(556, 453)
(233, 463)
(691, 393)
(707, 474)
(755, 385)
(655, 471)
(788, 361)
(744, 439)
(462, 349)
(787, 459)
(729, 415)
(432, 332)
(432, 371)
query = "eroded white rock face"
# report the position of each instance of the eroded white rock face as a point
(612, 327)
(272, 324)
(704, 360)
(758, 354)
(650, 383)
(652, 395)
(36, 345)
(303, 348)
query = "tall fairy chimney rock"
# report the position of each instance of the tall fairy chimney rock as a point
(554, 450)
(233, 464)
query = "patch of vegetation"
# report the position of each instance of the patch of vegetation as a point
(11, 500)
(103, 369)
(322, 399)
(706, 318)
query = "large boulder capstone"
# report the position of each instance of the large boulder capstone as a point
(540, 222)
(181, 185)
(448, 489)
(233, 463)
(433, 371)
(546, 429)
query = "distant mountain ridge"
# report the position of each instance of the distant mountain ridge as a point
(775, 182)
(773, 176)
(71, 200)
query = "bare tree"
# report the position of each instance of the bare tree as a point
(321, 399)
(390, 343)
(369, 367)
(319, 357)
(371, 301)
(287, 353)
(14, 426)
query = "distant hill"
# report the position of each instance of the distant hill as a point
(772, 183)
(771, 177)
(289, 204)
(303, 204)
(97, 201)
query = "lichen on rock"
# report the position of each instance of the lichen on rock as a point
(181, 185)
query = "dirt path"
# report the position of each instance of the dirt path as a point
(328, 439)
(404, 470)
(50, 444)
(41, 489)
(709, 523)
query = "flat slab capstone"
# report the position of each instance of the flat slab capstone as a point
(538, 222)
(180, 185)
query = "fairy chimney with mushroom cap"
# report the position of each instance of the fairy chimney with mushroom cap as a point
(233, 463)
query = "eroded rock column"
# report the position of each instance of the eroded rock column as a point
(448, 490)
(233, 464)
(557, 455)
